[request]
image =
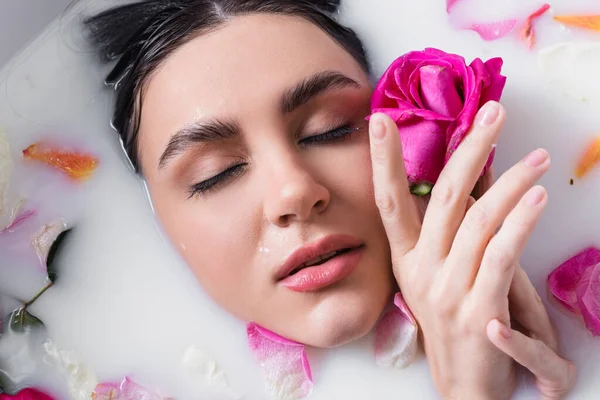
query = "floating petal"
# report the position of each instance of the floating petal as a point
(283, 363)
(494, 30)
(77, 166)
(580, 21)
(590, 158)
(527, 31)
(396, 336)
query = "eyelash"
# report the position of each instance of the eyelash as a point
(235, 170)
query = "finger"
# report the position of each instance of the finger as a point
(457, 180)
(527, 309)
(555, 375)
(483, 219)
(483, 184)
(504, 250)
(392, 195)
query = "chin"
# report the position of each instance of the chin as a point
(340, 320)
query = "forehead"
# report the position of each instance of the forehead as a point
(247, 61)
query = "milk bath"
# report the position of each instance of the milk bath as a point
(126, 305)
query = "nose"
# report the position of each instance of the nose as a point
(294, 194)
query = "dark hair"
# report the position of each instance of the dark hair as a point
(141, 35)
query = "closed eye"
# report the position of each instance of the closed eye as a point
(236, 170)
(333, 135)
(207, 185)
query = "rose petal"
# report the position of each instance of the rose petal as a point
(438, 90)
(396, 336)
(527, 31)
(589, 159)
(494, 30)
(26, 394)
(580, 21)
(283, 363)
(588, 300)
(423, 137)
(564, 280)
(45, 237)
(492, 89)
(484, 83)
(126, 390)
(75, 165)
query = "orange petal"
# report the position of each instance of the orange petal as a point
(76, 165)
(581, 21)
(590, 158)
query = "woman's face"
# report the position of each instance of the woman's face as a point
(255, 150)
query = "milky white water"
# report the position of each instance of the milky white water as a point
(126, 304)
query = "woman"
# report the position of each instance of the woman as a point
(246, 119)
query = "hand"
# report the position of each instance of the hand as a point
(454, 270)
(536, 347)
(555, 376)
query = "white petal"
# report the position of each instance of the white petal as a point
(573, 68)
(45, 237)
(81, 381)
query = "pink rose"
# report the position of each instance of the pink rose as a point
(434, 96)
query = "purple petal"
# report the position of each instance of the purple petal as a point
(396, 336)
(283, 363)
(564, 280)
(495, 30)
(588, 300)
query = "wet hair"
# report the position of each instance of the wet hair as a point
(140, 36)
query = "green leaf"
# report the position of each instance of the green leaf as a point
(21, 321)
(421, 189)
(54, 253)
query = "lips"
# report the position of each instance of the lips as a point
(320, 264)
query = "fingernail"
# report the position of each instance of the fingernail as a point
(536, 158)
(377, 127)
(503, 330)
(488, 114)
(535, 196)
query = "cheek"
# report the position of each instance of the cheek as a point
(350, 176)
(214, 239)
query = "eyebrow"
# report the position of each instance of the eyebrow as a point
(198, 132)
(218, 130)
(311, 87)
